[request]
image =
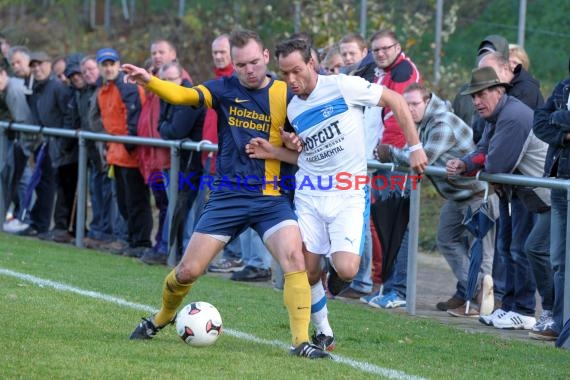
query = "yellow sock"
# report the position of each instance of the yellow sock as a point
(297, 299)
(173, 294)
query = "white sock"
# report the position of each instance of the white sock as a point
(319, 311)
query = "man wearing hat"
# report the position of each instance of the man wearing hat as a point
(120, 106)
(462, 105)
(508, 146)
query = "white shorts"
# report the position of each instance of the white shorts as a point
(332, 223)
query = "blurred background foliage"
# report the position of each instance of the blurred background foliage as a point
(64, 26)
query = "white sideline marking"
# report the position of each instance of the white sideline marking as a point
(362, 366)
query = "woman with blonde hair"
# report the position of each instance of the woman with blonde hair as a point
(518, 56)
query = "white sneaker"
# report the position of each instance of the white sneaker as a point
(487, 297)
(488, 319)
(14, 226)
(514, 321)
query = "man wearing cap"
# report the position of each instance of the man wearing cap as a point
(462, 104)
(508, 146)
(48, 103)
(120, 106)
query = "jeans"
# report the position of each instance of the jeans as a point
(21, 193)
(455, 242)
(558, 254)
(161, 202)
(101, 194)
(254, 252)
(521, 286)
(537, 249)
(362, 282)
(502, 247)
(397, 279)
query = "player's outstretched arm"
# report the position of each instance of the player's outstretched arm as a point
(418, 158)
(136, 74)
(261, 149)
(169, 91)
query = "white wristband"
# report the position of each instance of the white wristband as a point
(413, 148)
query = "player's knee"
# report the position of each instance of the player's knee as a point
(292, 261)
(186, 274)
(347, 271)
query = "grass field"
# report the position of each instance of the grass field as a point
(67, 313)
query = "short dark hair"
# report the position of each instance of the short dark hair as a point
(384, 33)
(159, 40)
(241, 37)
(302, 36)
(354, 37)
(283, 49)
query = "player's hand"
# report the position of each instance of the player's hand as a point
(455, 167)
(418, 161)
(291, 140)
(260, 148)
(135, 74)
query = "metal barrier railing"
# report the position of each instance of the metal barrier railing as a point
(176, 145)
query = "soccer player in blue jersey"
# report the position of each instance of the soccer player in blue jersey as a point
(249, 104)
(329, 148)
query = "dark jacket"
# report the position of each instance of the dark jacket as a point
(48, 103)
(366, 68)
(526, 88)
(551, 123)
(78, 117)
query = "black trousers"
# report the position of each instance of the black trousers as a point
(66, 182)
(133, 198)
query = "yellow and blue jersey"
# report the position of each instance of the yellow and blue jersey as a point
(242, 115)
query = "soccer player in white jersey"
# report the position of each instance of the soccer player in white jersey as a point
(328, 146)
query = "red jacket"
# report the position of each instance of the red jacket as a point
(397, 77)
(151, 159)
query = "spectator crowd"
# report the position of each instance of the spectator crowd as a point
(499, 122)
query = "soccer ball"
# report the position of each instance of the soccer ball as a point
(199, 324)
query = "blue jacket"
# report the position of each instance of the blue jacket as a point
(551, 124)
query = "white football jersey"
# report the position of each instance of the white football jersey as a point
(330, 122)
